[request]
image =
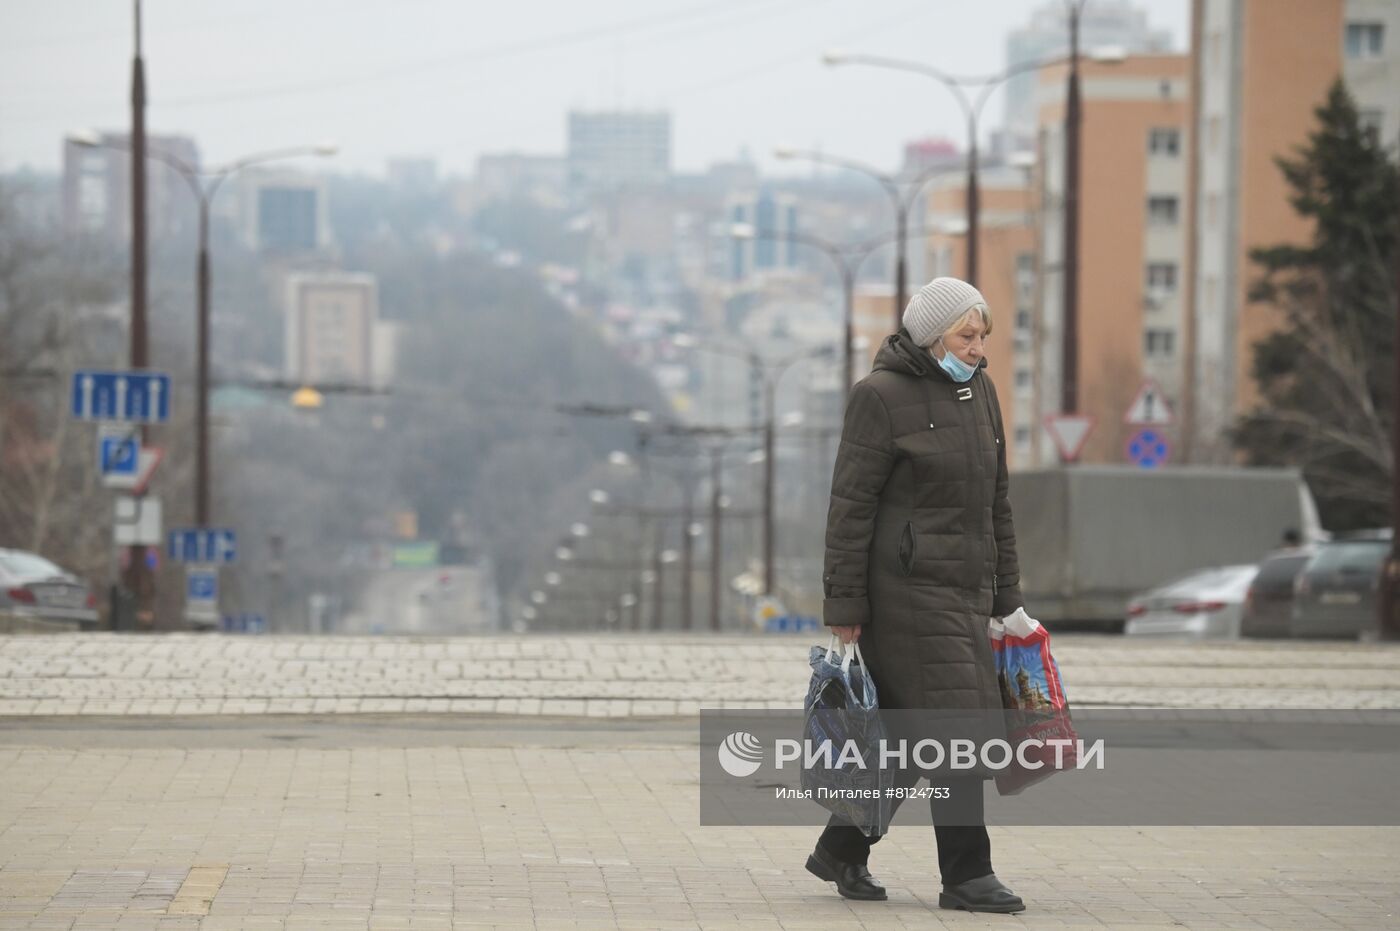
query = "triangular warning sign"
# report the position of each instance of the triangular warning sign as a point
(1149, 408)
(1069, 431)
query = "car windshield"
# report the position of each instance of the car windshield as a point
(1355, 555)
(27, 566)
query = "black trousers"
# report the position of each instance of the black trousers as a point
(959, 826)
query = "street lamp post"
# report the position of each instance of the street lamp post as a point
(1069, 347)
(902, 193)
(204, 191)
(770, 373)
(847, 260)
(972, 111)
(140, 580)
(1389, 601)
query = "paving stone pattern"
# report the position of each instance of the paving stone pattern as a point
(117, 814)
(626, 675)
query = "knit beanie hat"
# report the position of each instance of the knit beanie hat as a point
(937, 306)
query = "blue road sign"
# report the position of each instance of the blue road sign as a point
(118, 455)
(202, 585)
(243, 623)
(1148, 449)
(134, 397)
(791, 624)
(202, 545)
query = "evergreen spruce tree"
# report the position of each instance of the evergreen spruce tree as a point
(1326, 376)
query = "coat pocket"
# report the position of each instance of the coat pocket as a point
(908, 549)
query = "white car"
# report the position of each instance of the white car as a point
(34, 589)
(1208, 603)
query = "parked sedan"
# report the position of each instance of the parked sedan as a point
(1335, 594)
(1203, 604)
(32, 589)
(1268, 605)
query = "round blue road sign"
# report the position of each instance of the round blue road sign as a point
(1148, 449)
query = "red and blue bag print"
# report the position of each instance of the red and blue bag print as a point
(1033, 696)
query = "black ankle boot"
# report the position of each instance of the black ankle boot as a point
(852, 880)
(983, 894)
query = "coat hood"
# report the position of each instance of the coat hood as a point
(899, 354)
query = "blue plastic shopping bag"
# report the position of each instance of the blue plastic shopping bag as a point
(842, 733)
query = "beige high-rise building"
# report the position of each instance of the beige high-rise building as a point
(1006, 264)
(331, 329)
(1133, 257)
(1261, 68)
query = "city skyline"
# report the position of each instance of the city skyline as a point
(734, 77)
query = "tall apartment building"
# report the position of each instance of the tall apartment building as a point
(332, 330)
(284, 212)
(612, 149)
(1006, 266)
(1117, 23)
(773, 216)
(1260, 68)
(97, 188)
(1133, 255)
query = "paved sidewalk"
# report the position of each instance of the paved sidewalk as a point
(189, 782)
(619, 675)
(395, 822)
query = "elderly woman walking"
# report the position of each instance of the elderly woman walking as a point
(920, 552)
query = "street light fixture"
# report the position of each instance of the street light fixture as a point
(902, 193)
(204, 184)
(847, 259)
(972, 108)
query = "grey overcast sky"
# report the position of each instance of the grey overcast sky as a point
(453, 79)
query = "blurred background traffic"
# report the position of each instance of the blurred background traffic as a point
(354, 318)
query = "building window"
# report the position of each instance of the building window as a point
(1161, 276)
(1160, 343)
(1371, 121)
(1164, 142)
(1365, 40)
(1023, 439)
(1162, 211)
(1023, 382)
(1023, 320)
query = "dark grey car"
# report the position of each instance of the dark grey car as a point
(1336, 593)
(1268, 606)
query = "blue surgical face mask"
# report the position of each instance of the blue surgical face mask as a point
(957, 369)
